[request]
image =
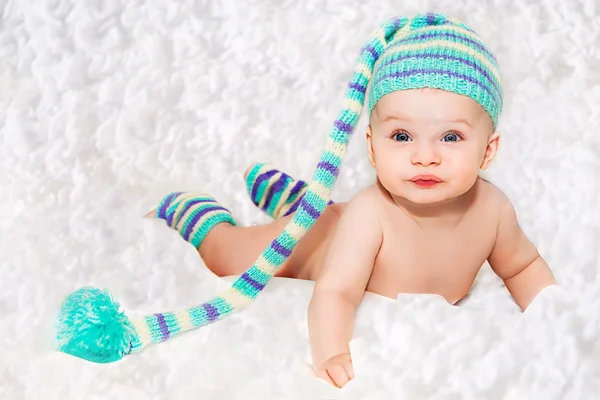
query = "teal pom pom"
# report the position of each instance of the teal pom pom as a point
(92, 326)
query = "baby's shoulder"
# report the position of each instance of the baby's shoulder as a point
(367, 200)
(369, 195)
(491, 198)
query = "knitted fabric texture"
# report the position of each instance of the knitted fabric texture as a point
(273, 191)
(430, 50)
(435, 51)
(193, 215)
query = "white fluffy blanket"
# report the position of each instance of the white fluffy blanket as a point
(106, 106)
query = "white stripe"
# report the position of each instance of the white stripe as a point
(352, 105)
(142, 330)
(184, 320)
(269, 184)
(235, 298)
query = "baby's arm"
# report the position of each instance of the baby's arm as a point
(516, 260)
(341, 286)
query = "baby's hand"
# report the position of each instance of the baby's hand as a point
(337, 370)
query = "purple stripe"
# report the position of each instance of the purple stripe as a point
(299, 185)
(342, 126)
(162, 210)
(309, 209)
(446, 35)
(358, 87)
(258, 181)
(482, 71)
(293, 192)
(252, 282)
(277, 186)
(430, 18)
(293, 208)
(403, 74)
(327, 166)
(196, 218)
(185, 208)
(396, 23)
(371, 50)
(211, 312)
(275, 245)
(164, 329)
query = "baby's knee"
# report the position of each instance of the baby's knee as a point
(337, 208)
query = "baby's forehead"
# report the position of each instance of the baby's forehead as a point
(426, 103)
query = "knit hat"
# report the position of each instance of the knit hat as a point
(428, 50)
(435, 51)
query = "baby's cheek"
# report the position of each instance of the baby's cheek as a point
(466, 176)
(390, 179)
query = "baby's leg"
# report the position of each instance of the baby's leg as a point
(231, 250)
(227, 249)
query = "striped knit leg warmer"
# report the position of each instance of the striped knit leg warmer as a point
(273, 191)
(193, 215)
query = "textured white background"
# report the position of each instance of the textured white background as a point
(106, 106)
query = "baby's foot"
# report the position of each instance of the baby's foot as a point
(274, 191)
(193, 215)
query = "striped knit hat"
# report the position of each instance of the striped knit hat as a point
(429, 50)
(435, 51)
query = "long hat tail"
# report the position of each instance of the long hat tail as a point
(91, 324)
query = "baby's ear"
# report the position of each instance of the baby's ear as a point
(490, 150)
(370, 145)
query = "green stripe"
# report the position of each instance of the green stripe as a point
(209, 223)
(259, 276)
(246, 288)
(251, 178)
(197, 315)
(325, 178)
(273, 257)
(441, 63)
(286, 240)
(455, 53)
(190, 216)
(349, 116)
(360, 78)
(154, 328)
(172, 323)
(222, 306)
(332, 158)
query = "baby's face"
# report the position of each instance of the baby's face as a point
(429, 132)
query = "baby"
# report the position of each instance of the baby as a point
(426, 225)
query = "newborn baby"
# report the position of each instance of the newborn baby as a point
(426, 225)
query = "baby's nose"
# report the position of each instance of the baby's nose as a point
(425, 154)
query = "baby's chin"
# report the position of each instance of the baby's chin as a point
(434, 196)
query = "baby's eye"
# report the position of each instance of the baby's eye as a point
(452, 137)
(401, 137)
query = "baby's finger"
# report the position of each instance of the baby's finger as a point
(325, 376)
(338, 375)
(349, 370)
